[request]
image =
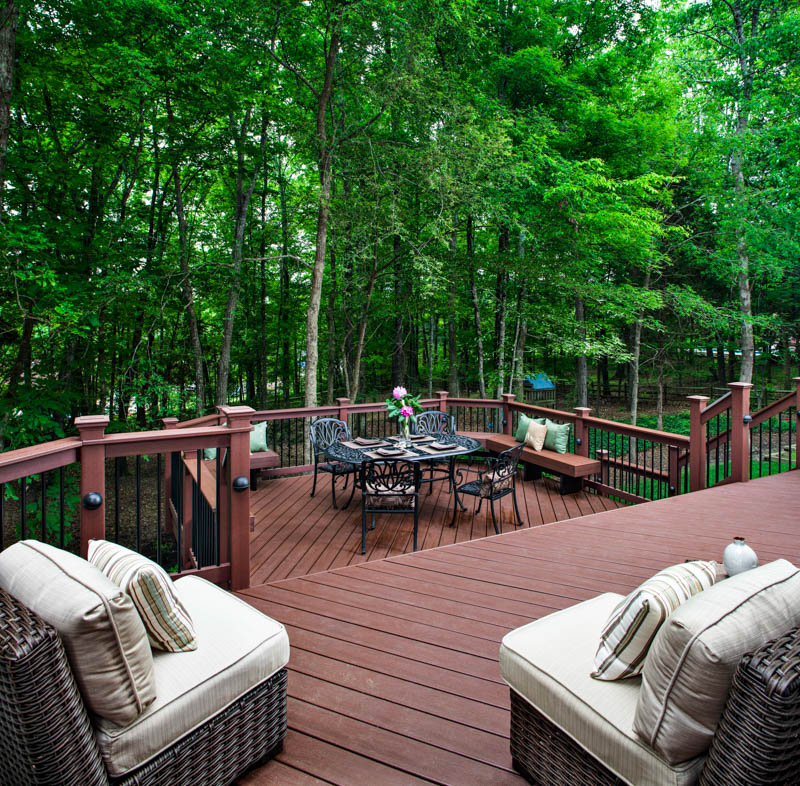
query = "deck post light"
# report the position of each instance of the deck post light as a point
(92, 500)
(241, 483)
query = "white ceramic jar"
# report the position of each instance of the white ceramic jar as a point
(738, 557)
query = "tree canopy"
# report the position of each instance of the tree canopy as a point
(278, 201)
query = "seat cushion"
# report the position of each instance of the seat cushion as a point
(688, 673)
(495, 482)
(548, 663)
(168, 624)
(239, 647)
(536, 435)
(632, 626)
(103, 636)
(557, 436)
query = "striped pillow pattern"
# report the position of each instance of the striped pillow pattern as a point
(166, 620)
(632, 626)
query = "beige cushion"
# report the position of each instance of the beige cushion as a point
(105, 640)
(548, 662)
(535, 436)
(633, 624)
(688, 673)
(169, 626)
(495, 482)
(239, 647)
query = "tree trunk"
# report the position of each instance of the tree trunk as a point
(8, 39)
(399, 361)
(501, 313)
(581, 378)
(362, 329)
(244, 191)
(332, 329)
(637, 350)
(431, 355)
(323, 213)
(522, 338)
(186, 289)
(476, 307)
(452, 322)
(283, 366)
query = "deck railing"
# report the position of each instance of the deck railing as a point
(157, 493)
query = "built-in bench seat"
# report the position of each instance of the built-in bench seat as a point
(263, 459)
(570, 467)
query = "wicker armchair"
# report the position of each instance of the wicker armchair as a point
(47, 737)
(757, 741)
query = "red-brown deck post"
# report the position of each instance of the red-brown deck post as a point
(602, 456)
(442, 394)
(91, 429)
(796, 413)
(508, 417)
(582, 431)
(697, 443)
(169, 424)
(239, 501)
(740, 431)
(343, 408)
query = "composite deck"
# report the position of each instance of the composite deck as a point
(393, 671)
(295, 534)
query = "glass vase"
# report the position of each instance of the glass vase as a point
(405, 433)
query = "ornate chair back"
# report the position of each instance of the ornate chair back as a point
(435, 422)
(501, 472)
(390, 485)
(325, 431)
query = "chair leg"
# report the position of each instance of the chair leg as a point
(352, 491)
(416, 521)
(333, 489)
(456, 503)
(430, 485)
(363, 530)
(494, 520)
(314, 484)
(516, 507)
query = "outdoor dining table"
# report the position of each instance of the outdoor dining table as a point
(420, 450)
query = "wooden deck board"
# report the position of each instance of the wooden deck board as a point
(295, 534)
(393, 673)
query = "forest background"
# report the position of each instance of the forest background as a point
(280, 202)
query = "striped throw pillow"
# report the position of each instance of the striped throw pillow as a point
(633, 624)
(166, 620)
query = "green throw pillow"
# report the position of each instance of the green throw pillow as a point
(258, 437)
(522, 426)
(557, 437)
(209, 453)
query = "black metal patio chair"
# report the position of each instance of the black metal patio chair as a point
(388, 487)
(324, 433)
(495, 481)
(437, 423)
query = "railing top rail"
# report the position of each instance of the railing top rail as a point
(20, 463)
(206, 419)
(639, 432)
(570, 417)
(492, 403)
(716, 407)
(781, 405)
(298, 412)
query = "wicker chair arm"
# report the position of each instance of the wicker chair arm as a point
(45, 733)
(757, 737)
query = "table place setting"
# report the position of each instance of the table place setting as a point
(362, 443)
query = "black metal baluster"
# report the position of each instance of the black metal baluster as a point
(760, 449)
(216, 513)
(2, 515)
(61, 508)
(117, 462)
(780, 440)
(43, 479)
(198, 541)
(139, 501)
(23, 503)
(769, 455)
(158, 507)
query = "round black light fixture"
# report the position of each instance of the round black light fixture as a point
(241, 483)
(92, 500)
